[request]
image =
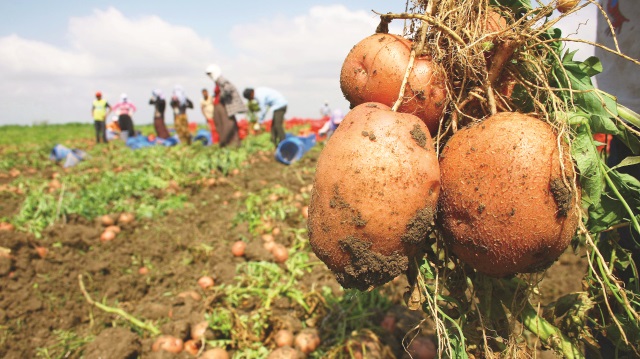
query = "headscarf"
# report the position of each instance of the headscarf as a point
(124, 97)
(337, 116)
(157, 93)
(213, 71)
(178, 93)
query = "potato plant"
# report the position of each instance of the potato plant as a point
(514, 195)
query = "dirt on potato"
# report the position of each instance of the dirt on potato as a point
(368, 268)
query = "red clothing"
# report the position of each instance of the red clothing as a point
(216, 93)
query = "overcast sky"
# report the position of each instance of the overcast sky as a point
(54, 55)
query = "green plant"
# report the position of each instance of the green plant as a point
(261, 206)
(526, 68)
(68, 343)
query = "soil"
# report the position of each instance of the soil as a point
(41, 301)
(368, 269)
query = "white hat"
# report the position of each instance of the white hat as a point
(213, 71)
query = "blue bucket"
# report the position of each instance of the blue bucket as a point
(292, 148)
(171, 141)
(59, 152)
(139, 142)
(203, 136)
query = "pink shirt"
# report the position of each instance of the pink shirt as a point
(124, 108)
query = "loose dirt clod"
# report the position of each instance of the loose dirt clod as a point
(366, 268)
(562, 195)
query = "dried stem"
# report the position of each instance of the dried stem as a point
(428, 19)
(133, 320)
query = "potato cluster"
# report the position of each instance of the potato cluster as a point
(502, 193)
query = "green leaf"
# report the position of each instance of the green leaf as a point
(587, 159)
(522, 98)
(518, 7)
(577, 76)
(591, 66)
(611, 210)
(629, 161)
(629, 139)
(602, 124)
(426, 270)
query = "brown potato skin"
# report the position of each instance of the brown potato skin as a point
(495, 22)
(373, 72)
(567, 5)
(375, 184)
(497, 209)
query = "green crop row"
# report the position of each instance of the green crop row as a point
(116, 179)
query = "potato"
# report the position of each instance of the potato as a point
(374, 196)
(215, 353)
(504, 205)
(307, 340)
(283, 337)
(495, 22)
(286, 353)
(373, 72)
(422, 348)
(567, 5)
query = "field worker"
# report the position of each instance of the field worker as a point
(125, 110)
(206, 106)
(332, 123)
(325, 110)
(159, 103)
(100, 110)
(270, 99)
(180, 103)
(113, 130)
(227, 105)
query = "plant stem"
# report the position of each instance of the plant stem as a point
(133, 320)
(612, 186)
(624, 112)
(505, 291)
(431, 20)
(548, 332)
(629, 115)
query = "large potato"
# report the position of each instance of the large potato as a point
(374, 196)
(373, 72)
(504, 205)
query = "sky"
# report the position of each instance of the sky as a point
(54, 55)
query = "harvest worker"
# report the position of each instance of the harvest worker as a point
(227, 104)
(157, 99)
(99, 110)
(180, 103)
(206, 105)
(332, 123)
(125, 110)
(270, 99)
